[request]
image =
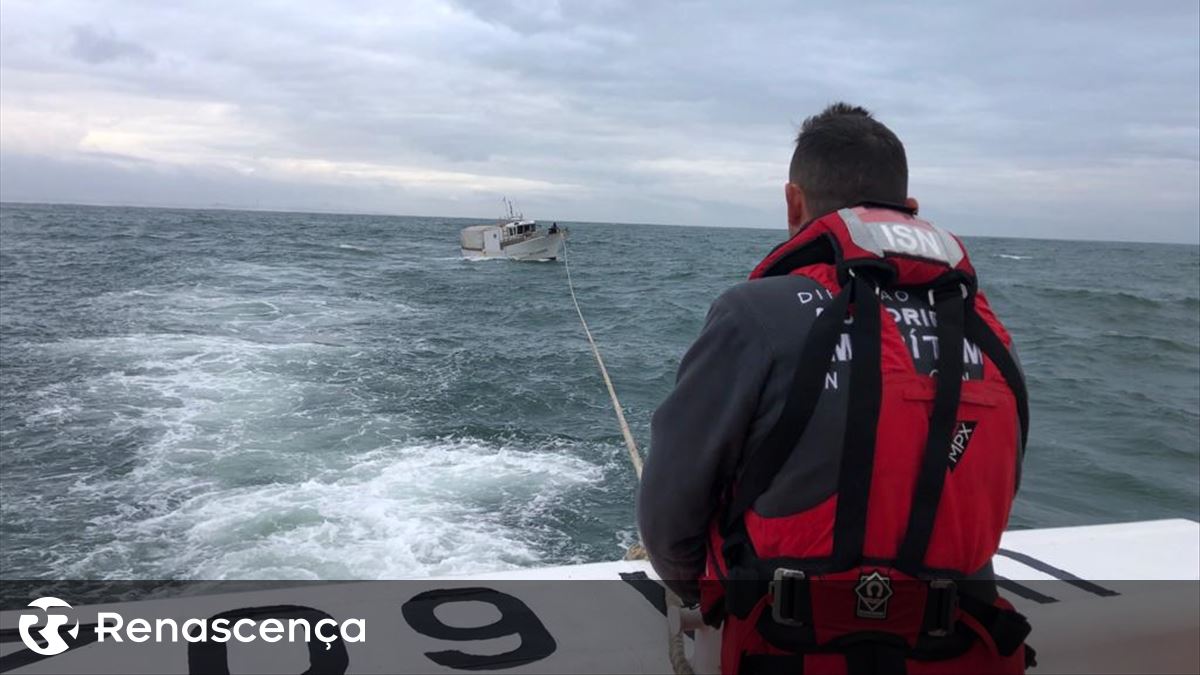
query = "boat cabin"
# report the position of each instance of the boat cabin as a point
(519, 229)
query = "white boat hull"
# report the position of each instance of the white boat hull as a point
(544, 247)
(616, 627)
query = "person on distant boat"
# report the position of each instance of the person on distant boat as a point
(553, 228)
(833, 471)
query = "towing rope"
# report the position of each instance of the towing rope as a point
(675, 651)
(634, 455)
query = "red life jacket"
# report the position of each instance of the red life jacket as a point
(893, 571)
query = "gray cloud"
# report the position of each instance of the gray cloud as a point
(1061, 115)
(94, 45)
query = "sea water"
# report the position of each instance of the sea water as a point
(190, 394)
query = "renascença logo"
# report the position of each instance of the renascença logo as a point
(303, 626)
(55, 644)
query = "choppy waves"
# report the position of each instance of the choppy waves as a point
(222, 395)
(217, 457)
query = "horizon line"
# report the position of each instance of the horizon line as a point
(306, 211)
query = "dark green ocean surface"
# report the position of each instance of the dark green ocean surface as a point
(221, 394)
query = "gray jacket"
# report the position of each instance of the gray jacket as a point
(729, 391)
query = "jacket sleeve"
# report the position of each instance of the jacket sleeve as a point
(697, 435)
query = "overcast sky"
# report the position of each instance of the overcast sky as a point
(1043, 119)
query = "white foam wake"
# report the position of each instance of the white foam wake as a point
(247, 461)
(407, 511)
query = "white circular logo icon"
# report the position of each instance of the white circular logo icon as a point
(55, 644)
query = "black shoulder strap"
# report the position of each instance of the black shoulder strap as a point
(862, 421)
(759, 469)
(949, 305)
(979, 332)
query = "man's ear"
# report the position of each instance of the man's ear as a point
(796, 211)
(911, 203)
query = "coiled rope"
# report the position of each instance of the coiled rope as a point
(675, 651)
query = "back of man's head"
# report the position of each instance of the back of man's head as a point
(844, 157)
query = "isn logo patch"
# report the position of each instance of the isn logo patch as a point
(963, 431)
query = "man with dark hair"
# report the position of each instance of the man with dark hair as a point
(827, 478)
(845, 157)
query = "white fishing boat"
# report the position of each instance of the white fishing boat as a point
(514, 237)
(1116, 598)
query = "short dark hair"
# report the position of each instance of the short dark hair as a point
(845, 157)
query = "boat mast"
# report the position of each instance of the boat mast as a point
(513, 213)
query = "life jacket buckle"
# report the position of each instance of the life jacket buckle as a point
(787, 593)
(943, 596)
(966, 293)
